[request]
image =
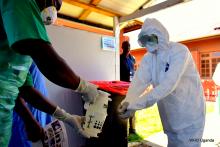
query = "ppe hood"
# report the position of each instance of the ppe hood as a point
(153, 26)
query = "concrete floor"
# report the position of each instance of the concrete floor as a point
(212, 132)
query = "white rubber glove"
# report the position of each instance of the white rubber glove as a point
(74, 121)
(125, 113)
(89, 90)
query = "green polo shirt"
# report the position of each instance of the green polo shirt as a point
(20, 19)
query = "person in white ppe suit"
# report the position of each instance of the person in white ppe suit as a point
(177, 89)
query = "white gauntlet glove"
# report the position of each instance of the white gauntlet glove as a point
(125, 113)
(89, 90)
(74, 121)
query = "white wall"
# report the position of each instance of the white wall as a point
(82, 51)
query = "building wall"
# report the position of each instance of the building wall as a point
(82, 52)
(203, 46)
(138, 54)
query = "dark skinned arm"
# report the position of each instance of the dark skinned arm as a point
(32, 96)
(36, 99)
(48, 61)
(33, 129)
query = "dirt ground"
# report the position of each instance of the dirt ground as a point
(143, 144)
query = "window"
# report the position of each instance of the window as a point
(208, 64)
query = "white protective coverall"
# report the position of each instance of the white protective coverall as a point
(177, 88)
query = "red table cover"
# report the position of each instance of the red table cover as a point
(116, 87)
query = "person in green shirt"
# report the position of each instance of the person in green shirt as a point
(23, 38)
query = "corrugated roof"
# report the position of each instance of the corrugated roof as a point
(99, 13)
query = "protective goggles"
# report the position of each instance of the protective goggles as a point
(148, 39)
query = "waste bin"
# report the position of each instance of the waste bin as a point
(114, 132)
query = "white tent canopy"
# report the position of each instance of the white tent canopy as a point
(194, 19)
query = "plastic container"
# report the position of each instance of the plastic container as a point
(96, 114)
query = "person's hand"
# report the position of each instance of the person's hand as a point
(89, 91)
(74, 121)
(123, 112)
(34, 132)
(122, 107)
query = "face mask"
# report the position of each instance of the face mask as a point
(151, 47)
(49, 15)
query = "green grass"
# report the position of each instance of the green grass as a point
(210, 107)
(148, 122)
